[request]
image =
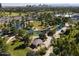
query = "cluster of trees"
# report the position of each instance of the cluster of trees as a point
(67, 45)
(3, 48)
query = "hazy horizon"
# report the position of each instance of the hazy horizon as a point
(52, 4)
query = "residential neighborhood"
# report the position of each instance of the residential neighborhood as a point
(39, 31)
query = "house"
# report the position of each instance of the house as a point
(36, 43)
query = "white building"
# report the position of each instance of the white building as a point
(63, 15)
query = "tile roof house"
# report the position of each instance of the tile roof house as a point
(36, 43)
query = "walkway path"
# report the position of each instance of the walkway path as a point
(50, 50)
(10, 39)
(48, 41)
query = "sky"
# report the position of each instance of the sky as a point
(13, 4)
(24, 2)
(19, 4)
(39, 1)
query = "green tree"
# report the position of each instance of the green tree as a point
(67, 45)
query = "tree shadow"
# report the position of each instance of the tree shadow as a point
(23, 46)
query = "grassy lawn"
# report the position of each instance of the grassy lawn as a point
(36, 24)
